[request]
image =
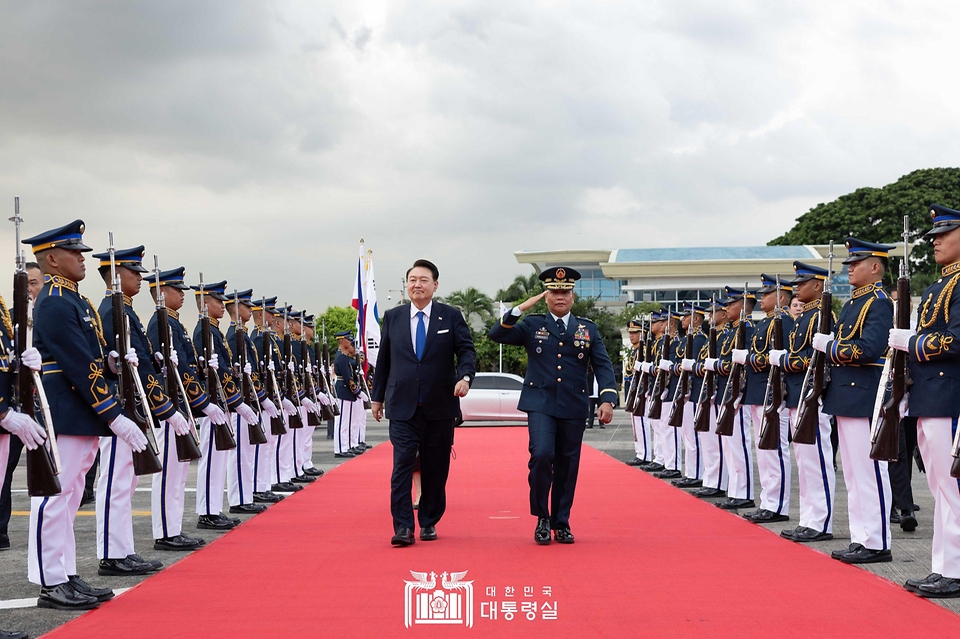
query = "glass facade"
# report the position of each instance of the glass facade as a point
(675, 299)
(594, 285)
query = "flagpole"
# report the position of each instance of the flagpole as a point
(501, 345)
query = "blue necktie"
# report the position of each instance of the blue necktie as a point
(421, 335)
(560, 325)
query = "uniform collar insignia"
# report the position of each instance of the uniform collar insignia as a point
(951, 269)
(60, 281)
(174, 314)
(811, 305)
(865, 290)
(769, 314)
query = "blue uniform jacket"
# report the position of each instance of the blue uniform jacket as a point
(348, 377)
(934, 361)
(699, 354)
(724, 359)
(855, 358)
(252, 358)
(225, 371)
(556, 379)
(186, 360)
(758, 361)
(257, 338)
(799, 351)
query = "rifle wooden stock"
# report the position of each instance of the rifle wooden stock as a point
(630, 402)
(701, 417)
(885, 435)
(188, 446)
(223, 437)
(769, 438)
(733, 393)
(309, 387)
(326, 410)
(270, 384)
(808, 411)
(247, 392)
(683, 386)
(290, 383)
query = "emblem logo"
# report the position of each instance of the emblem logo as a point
(450, 604)
(561, 273)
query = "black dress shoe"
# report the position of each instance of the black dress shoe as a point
(867, 556)
(154, 563)
(356, 450)
(249, 509)
(286, 487)
(943, 588)
(428, 534)
(125, 567)
(312, 472)
(686, 482)
(804, 535)
(636, 461)
(404, 537)
(708, 492)
(913, 584)
(81, 586)
(563, 535)
(894, 517)
(267, 497)
(837, 554)
(4, 542)
(668, 474)
(542, 534)
(653, 467)
(65, 597)
(731, 503)
(346, 454)
(13, 634)
(764, 516)
(176, 542)
(303, 479)
(908, 523)
(233, 520)
(214, 522)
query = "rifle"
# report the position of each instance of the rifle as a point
(808, 412)
(885, 433)
(312, 418)
(289, 381)
(769, 438)
(682, 393)
(701, 416)
(363, 382)
(132, 396)
(43, 463)
(326, 410)
(188, 446)
(644, 378)
(955, 451)
(254, 431)
(661, 384)
(223, 436)
(270, 385)
(335, 407)
(733, 393)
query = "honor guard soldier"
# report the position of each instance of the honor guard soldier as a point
(169, 485)
(773, 466)
(304, 351)
(68, 335)
(935, 402)
(815, 470)
(117, 482)
(631, 370)
(559, 347)
(350, 393)
(304, 404)
(242, 462)
(715, 478)
(855, 354)
(738, 450)
(265, 454)
(283, 473)
(646, 435)
(212, 470)
(671, 447)
(692, 463)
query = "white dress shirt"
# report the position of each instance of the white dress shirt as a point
(414, 321)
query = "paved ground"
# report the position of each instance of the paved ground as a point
(911, 550)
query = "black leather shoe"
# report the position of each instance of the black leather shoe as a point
(686, 482)
(653, 467)
(764, 516)
(4, 542)
(356, 450)
(81, 586)
(177, 542)
(563, 535)
(248, 509)
(809, 534)
(708, 492)
(943, 588)
(636, 461)
(64, 597)
(303, 479)
(668, 474)
(286, 487)
(428, 534)
(125, 567)
(894, 517)
(867, 556)
(908, 523)
(312, 472)
(542, 534)
(233, 520)
(267, 497)
(731, 503)
(154, 563)
(837, 554)
(13, 634)
(404, 537)
(214, 522)
(913, 584)
(346, 454)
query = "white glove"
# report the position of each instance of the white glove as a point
(638, 365)
(179, 423)
(214, 362)
(309, 405)
(271, 367)
(647, 367)
(687, 364)
(777, 357)
(269, 408)
(23, 426)
(131, 357)
(323, 399)
(174, 357)
(820, 341)
(248, 369)
(288, 407)
(291, 366)
(904, 405)
(739, 355)
(215, 413)
(364, 396)
(665, 365)
(126, 430)
(31, 359)
(711, 364)
(112, 358)
(900, 338)
(247, 414)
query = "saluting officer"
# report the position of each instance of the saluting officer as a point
(563, 345)
(773, 466)
(815, 471)
(935, 402)
(715, 473)
(855, 352)
(692, 460)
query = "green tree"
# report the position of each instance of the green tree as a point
(876, 214)
(336, 319)
(521, 288)
(471, 302)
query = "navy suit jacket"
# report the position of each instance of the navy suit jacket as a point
(401, 382)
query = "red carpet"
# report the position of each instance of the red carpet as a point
(649, 561)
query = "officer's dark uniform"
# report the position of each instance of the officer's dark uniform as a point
(554, 397)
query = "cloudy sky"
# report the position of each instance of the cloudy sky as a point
(258, 141)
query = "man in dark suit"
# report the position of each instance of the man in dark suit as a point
(426, 364)
(555, 396)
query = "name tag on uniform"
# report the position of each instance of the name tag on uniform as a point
(542, 334)
(446, 330)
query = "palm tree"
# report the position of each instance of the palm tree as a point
(521, 288)
(470, 301)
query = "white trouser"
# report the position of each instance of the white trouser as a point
(692, 464)
(283, 456)
(115, 499)
(773, 466)
(935, 438)
(51, 547)
(305, 453)
(264, 456)
(711, 454)
(301, 436)
(4, 456)
(817, 478)
(642, 444)
(211, 472)
(657, 440)
(346, 434)
(169, 486)
(738, 457)
(240, 466)
(669, 450)
(362, 424)
(868, 485)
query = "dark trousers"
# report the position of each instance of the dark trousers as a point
(901, 471)
(432, 440)
(554, 465)
(16, 447)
